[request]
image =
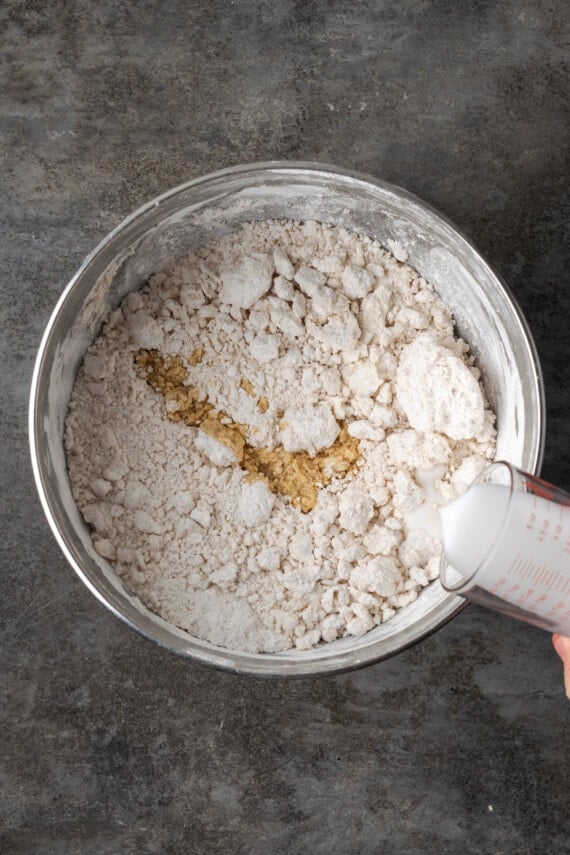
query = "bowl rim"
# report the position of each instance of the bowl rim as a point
(223, 660)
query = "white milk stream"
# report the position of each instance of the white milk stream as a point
(510, 549)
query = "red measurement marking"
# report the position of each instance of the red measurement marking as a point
(528, 593)
(543, 531)
(498, 585)
(550, 578)
(559, 605)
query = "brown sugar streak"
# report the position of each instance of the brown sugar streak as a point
(294, 474)
(195, 357)
(247, 387)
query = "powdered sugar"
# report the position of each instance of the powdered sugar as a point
(288, 332)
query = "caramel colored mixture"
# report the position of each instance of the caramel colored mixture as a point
(247, 387)
(167, 377)
(195, 357)
(294, 474)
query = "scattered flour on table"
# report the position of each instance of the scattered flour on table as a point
(250, 435)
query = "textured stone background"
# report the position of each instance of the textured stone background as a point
(110, 745)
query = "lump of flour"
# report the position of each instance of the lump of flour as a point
(438, 391)
(245, 280)
(309, 428)
(250, 436)
(255, 503)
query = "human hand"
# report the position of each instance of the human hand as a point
(562, 647)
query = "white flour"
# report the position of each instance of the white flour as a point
(292, 331)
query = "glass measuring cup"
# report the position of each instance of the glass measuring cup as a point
(507, 546)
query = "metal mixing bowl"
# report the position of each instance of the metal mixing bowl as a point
(202, 210)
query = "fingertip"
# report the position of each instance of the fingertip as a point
(561, 645)
(558, 644)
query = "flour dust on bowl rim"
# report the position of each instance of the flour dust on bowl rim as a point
(201, 211)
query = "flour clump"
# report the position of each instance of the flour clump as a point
(438, 391)
(248, 437)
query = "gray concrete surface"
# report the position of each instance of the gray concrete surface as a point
(109, 745)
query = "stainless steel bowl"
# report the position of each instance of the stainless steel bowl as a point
(202, 210)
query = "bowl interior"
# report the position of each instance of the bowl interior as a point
(202, 211)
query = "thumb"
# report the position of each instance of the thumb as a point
(562, 647)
